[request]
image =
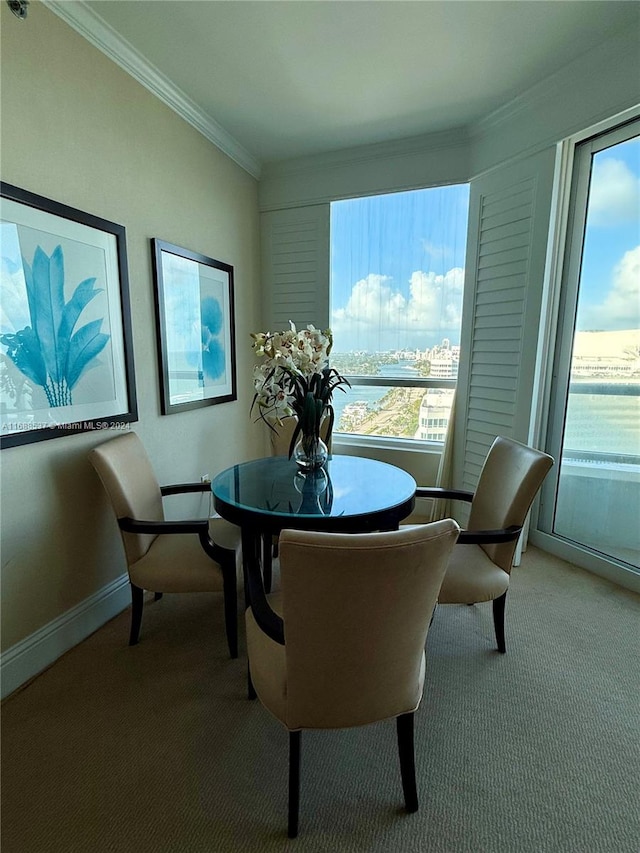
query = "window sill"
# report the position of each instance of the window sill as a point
(379, 442)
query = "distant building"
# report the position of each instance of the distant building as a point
(606, 354)
(435, 410)
(593, 366)
(444, 367)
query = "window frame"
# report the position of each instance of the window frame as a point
(568, 284)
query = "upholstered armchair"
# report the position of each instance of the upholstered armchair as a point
(165, 556)
(342, 643)
(480, 566)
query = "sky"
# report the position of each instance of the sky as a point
(397, 269)
(610, 277)
(397, 260)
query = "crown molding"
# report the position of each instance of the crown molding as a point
(568, 77)
(90, 26)
(372, 152)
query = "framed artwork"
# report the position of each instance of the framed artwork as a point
(66, 354)
(196, 328)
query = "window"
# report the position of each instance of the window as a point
(594, 502)
(397, 273)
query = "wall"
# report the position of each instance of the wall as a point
(436, 158)
(79, 130)
(592, 88)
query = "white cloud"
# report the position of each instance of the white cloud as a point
(378, 316)
(437, 251)
(436, 300)
(621, 308)
(615, 193)
(372, 302)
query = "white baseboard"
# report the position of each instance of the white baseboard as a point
(39, 650)
(573, 553)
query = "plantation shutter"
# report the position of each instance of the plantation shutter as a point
(509, 213)
(295, 267)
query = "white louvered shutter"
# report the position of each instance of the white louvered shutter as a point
(507, 240)
(295, 267)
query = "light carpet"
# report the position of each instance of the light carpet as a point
(156, 748)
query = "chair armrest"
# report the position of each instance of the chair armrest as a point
(443, 494)
(224, 556)
(489, 537)
(182, 488)
(267, 619)
(133, 525)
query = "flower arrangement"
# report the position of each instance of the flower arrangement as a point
(294, 378)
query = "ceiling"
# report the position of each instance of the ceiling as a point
(287, 78)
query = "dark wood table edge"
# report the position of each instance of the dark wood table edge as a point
(257, 528)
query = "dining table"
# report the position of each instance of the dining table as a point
(349, 494)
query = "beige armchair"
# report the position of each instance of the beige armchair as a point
(165, 556)
(480, 566)
(342, 644)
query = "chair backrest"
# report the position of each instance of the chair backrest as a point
(356, 611)
(509, 481)
(281, 435)
(129, 480)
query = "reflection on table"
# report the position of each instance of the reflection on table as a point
(350, 494)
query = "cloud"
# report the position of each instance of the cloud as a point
(372, 302)
(378, 316)
(436, 300)
(615, 193)
(621, 307)
(437, 251)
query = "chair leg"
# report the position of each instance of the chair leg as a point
(498, 621)
(294, 782)
(137, 603)
(230, 592)
(404, 724)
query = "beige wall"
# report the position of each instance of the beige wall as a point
(79, 130)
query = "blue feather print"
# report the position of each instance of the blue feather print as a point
(84, 346)
(49, 352)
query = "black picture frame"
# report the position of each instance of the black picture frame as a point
(195, 325)
(66, 346)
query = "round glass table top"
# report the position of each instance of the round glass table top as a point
(348, 491)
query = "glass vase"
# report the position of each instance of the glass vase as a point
(310, 452)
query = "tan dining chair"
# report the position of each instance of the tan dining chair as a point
(165, 556)
(480, 566)
(342, 643)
